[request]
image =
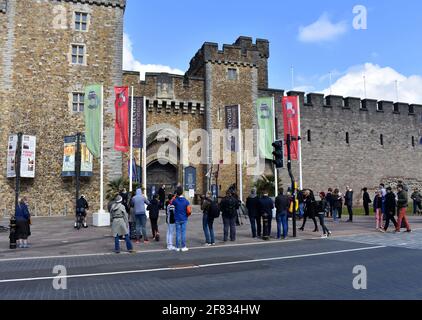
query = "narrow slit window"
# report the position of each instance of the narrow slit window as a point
(347, 138)
(309, 136)
(382, 139)
(413, 142)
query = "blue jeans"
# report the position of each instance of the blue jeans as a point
(253, 226)
(416, 206)
(117, 243)
(301, 209)
(207, 225)
(229, 223)
(141, 222)
(181, 234)
(335, 213)
(282, 221)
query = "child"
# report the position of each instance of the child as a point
(171, 223)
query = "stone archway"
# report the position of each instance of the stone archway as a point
(161, 174)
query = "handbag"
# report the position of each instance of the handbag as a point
(189, 211)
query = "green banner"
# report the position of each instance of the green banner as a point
(93, 103)
(265, 113)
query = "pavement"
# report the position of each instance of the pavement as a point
(306, 267)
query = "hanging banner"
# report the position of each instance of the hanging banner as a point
(68, 169)
(138, 121)
(121, 128)
(265, 112)
(11, 156)
(28, 156)
(87, 160)
(291, 124)
(93, 104)
(232, 124)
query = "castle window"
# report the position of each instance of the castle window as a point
(413, 142)
(78, 102)
(309, 136)
(347, 138)
(232, 74)
(382, 139)
(78, 54)
(379, 107)
(411, 109)
(81, 21)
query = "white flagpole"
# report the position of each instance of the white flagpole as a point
(240, 155)
(274, 139)
(300, 147)
(131, 145)
(144, 158)
(102, 152)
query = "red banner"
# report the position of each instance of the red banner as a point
(121, 137)
(291, 124)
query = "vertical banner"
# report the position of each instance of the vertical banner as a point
(87, 160)
(121, 137)
(265, 112)
(69, 157)
(11, 156)
(291, 123)
(29, 144)
(138, 106)
(232, 124)
(93, 103)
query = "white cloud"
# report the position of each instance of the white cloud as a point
(322, 30)
(380, 84)
(131, 64)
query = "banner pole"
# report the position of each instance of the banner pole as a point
(144, 144)
(102, 153)
(240, 155)
(275, 139)
(300, 147)
(131, 145)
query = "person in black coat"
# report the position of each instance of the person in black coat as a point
(252, 204)
(266, 206)
(154, 211)
(162, 196)
(348, 201)
(229, 206)
(81, 208)
(310, 209)
(366, 201)
(125, 199)
(390, 209)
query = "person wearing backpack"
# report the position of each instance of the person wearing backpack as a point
(229, 207)
(182, 210)
(171, 223)
(81, 208)
(208, 208)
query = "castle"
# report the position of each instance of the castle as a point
(345, 141)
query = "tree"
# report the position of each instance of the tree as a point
(266, 184)
(114, 187)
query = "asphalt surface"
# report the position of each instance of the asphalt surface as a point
(290, 270)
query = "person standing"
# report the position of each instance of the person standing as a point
(282, 203)
(310, 209)
(138, 203)
(366, 201)
(417, 201)
(252, 204)
(81, 209)
(23, 220)
(119, 224)
(228, 207)
(171, 222)
(348, 200)
(205, 207)
(162, 196)
(337, 200)
(329, 199)
(154, 213)
(125, 199)
(378, 203)
(390, 209)
(322, 208)
(402, 203)
(181, 208)
(301, 204)
(266, 206)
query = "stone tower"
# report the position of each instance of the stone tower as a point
(49, 51)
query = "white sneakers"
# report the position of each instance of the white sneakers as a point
(172, 248)
(184, 249)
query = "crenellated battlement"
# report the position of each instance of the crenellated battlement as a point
(318, 100)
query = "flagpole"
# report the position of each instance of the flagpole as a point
(275, 138)
(144, 156)
(240, 155)
(131, 145)
(102, 153)
(300, 147)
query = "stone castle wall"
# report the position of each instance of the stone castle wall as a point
(43, 80)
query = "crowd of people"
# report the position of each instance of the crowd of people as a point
(128, 213)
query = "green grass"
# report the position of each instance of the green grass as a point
(360, 211)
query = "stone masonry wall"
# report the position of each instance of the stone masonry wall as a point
(43, 80)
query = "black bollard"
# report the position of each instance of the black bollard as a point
(12, 235)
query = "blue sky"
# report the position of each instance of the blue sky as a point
(316, 37)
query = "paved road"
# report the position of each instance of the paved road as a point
(303, 269)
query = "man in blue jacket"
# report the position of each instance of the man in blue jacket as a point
(181, 205)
